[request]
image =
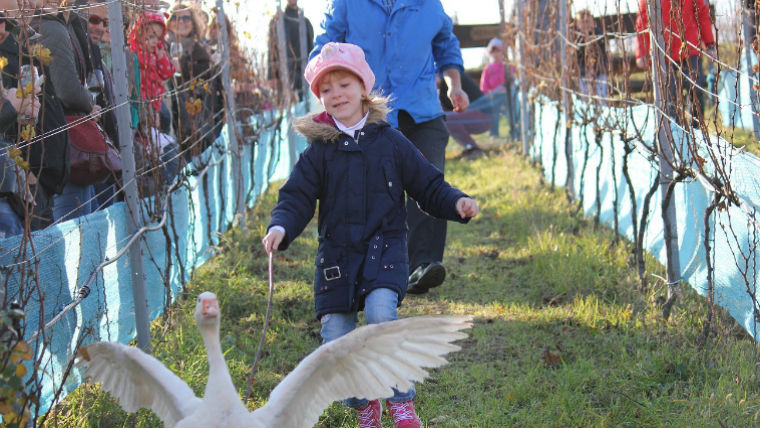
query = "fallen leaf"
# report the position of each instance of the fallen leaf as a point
(85, 354)
(550, 358)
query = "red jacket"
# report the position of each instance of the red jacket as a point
(154, 70)
(691, 19)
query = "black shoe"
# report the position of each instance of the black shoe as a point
(425, 277)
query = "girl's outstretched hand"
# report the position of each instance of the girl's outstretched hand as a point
(467, 207)
(273, 239)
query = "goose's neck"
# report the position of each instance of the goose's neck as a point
(218, 377)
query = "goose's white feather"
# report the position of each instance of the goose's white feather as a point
(365, 363)
(137, 380)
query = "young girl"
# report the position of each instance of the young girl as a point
(147, 41)
(358, 167)
(498, 80)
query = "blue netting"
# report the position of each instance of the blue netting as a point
(734, 105)
(67, 253)
(733, 231)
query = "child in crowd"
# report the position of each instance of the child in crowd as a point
(358, 168)
(493, 77)
(497, 80)
(147, 41)
(154, 67)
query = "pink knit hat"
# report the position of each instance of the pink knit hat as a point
(338, 55)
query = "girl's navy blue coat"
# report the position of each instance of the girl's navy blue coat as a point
(360, 187)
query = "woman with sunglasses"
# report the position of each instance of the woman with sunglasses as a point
(186, 29)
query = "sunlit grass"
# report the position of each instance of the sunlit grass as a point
(563, 335)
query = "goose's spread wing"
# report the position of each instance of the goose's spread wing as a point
(137, 379)
(364, 363)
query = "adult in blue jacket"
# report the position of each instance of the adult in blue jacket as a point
(406, 42)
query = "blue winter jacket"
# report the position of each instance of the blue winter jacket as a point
(405, 48)
(362, 209)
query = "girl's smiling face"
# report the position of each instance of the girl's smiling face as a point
(341, 93)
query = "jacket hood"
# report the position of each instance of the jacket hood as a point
(143, 20)
(322, 127)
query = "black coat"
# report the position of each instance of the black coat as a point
(362, 212)
(48, 156)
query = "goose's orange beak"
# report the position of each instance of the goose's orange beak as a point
(210, 308)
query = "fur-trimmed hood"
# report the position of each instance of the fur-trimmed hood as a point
(321, 126)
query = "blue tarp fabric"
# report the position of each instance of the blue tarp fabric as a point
(733, 231)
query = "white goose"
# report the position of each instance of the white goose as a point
(364, 363)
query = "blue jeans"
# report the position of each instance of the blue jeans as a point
(74, 201)
(10, 223)
(498, 107)
(379, 306)
(596, 84)
(106, 193)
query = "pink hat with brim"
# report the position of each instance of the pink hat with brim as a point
(335, 56)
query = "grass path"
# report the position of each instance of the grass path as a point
(563, 336)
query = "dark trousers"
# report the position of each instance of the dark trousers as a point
(462, 125)
(678, 81)
(427, 234)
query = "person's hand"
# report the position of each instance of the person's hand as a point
(27, 108)
(95, 112)
(711, 54)
(216, 58)
(31, 180)
(459, 99)
(642, 63)
(10, 96)
(174, 60)
(30, 107)
(38, 84)
(272, 240)
(467, 207)
(160, 50)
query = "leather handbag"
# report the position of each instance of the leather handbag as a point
(92, 156)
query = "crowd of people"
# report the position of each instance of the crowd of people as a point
(58, 96)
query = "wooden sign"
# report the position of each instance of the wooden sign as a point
(476, 36)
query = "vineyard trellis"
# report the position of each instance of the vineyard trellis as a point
(615, 153)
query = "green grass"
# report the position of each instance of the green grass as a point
(738, 137)
(563, 336)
